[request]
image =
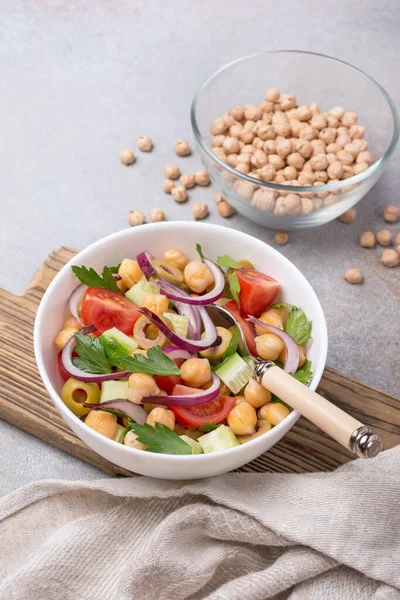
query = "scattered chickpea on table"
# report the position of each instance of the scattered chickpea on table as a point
(127, 157)
(353, 275)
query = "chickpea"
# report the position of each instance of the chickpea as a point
(237, 112)
(157, 214)
(225, 209)
(318, 121)
(307, 205)
(348, 216)
(217, 141)
(242, 419)
(256, 394)
(168, 185)
(171, 171)
(276, 161)
(283, 128)
(295, 160)
(176, 257)
(248, 149)
(345, 157)
(360, 167)
(71, 322)
(136, 217)
(321, 176)
(64, 336)
(319, 162)
(275, 412)
(253, 112)
(309, 133)
(130, 272)
(290, 173)
(187, 181)
(329, 199)
(367, 239)
(267, 173)
(302, 356)
(243, 158)
(197, 275)
(352, 148)
(200, 211)
(269, 317)
(239, 399)
(269, 346)
(103, 422)
(127, 157)
(353, 275)
(140, 386)
(243, 168)
(391, 214)
(161, 415)
(179, 194)
(218, 126)
(332, 121)
(228, 120)
(335, 170)
(342, 131)
(156, 303)
(398, 239)
(304, 148)
(182, 148)
(288, 101)
(259, 159)
(279, 178)
(258, 143)
(246, 136)
(349, 119)
(356, 132)
(266, 132)
(262, 412)
(234, 130)
(306, 178)
(231, 145)
(219, 198)
(390, 258)
(336, 111)
(220, 153)
(272, 94)
(333, 148)
(196, 371)
(304, 113)
(232, 159)
(144, 143)
(131, 441)
(290, 204)
(264, 199)
(384, 237)
(284, 148)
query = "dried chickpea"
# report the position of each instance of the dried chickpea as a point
(288, 101)
(342, 131)
(136, 217)
(220, 153)
(348, 216)
(171, 171)
(309, 133)
(360, 167)
(157, 214)
(231, 145)
(284, 148)
(242, 419)
(353, 275)
(243, 168)
(336, 111)
(267, 173)
(64, 336)
(331, 158)
(161, 415)
(269, 317)
(288, 205)
(306, 178)
(197, 275)
(332, 121)
(342, 140)
(144, 143)
(276, 161)
(321, 176)
(390, 258)
(290, 173)
(225, 209)
(367, 239)
(267, 108)
(217, 140)
(264, 199)
(127, 157)
(279, 178)
(307, 205)
(319, 162)
(398, 239)
(232, 160)
(349, 119)
(318, 121)
(253, 112)
(304, 148)
(182, 148)
(272, 94)
(384, 237)
(130, 272)
(218, 126)
(283, 128)
(275, 412)
(179, 194)
(391, 214)
(243, 158)
(304, 113)
(103, 422)
(176, 257)
(259, 159)
(345, 157)
(352, 148)
(333, 148)
(258, 143)
(237, 112)
(196, 371)
(329, 199)
(187, 181)
(256, 394)
(168, 185)
(235, 130)
(269, 346)
(200, 211)
(295, 160)
(246, 136)
(356, 132)
(249, 125)
(228, 120)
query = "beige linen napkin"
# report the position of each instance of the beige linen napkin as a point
(240, 536)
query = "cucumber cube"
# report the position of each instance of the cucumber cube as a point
(221, 438)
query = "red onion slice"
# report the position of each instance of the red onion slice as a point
(183, 307)
(74, 300)
(174, 293)
(173, 353)
(146, 266)
(66, 358)
(210, 333)
(117, 277)
(134, 411)
(292, 350)
(202, 397)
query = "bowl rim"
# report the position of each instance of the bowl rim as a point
(291, 188)
(40, 323)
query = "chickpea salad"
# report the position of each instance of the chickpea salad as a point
(144, 364)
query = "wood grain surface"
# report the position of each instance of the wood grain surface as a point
(24, 401)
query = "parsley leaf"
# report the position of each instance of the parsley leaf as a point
(283, 304)
(92, 356)
(234, 287)
(156, 363)
(207, 427)
(160, 439)
(199, 251)
(233, 344)
(90, 278)
(298, 326)
(277, 400)
(304, 374)
(228, 262)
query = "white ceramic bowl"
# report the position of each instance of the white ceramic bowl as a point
(156, 238)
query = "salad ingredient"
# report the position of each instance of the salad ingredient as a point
(229, 263)
(171, 171)
(384, 237)
(261, 428)
(269, 317)
(104, 423)
(206, 416)
(182, 148)
(176, 353)
(367, 239)
(140, 290)
(221, 438)
(127, 157)
(281, 238)
(275, 412)
(167, 271)
(155, 302)
(176, 257)
(196, 372)
(117, 344)
(131, 440)
(64, 374)
(120, 434)
(74, 303)
(216, 353)
(168, 382)
(234, 372)
(113, 390)
(298, 326)
(160, 439)
(187, 181)
(200, 211)
(136, 217)
(168, 185)
(145, 262)
(74, 393)
(64, 336)
(198, 276)
(90, 278)
(157, 214)
(242, 419)
(234, 287)
(269, 346)
(272, 95)
(187, 396)
(147, 335)
(256, 394)
(195, 446)
(161, 415)
(353, 275)
(391, 214)
(129, 272)
(144, 143)
(246, 327)
(390, 258)
(155, 363)
(141, 385)
(257, 291)
(92, 356)
(304, 375)
(106, 309)
(348, 216)
(202, 178)
(179, 323)
(225, 209)
(179, 194)
(302, 356)
(127, 408)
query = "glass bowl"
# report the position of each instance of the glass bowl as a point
(311, 78)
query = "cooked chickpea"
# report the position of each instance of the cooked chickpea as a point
(131, 441)
(64, 336)
(225, 209)
(256, 394)
(391, 214)
(168, 185)
(127, 157)
(176, 257)
(269, 346)
(182, 148)
(179, 194)
(197, 275)
(103, 422)
(196, 371)
(200, 211)
(253, 112)
(272, 94)
(171, 171)
(353, 275)
(136, 217)
(269, 317)
(287, 101)
(239, 399)
(390, 258)
(156, 303)
(384, 237)
(275, 412)
(71, 322)
(161, 415)
(141, 385)
(367, 239)
(261, 415)
(187, 181)
(144, 143)
(242, 419)
(348, 216)
(130, 272)
(157, 214)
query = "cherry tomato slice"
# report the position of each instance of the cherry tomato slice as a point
(168, 382)
(257, 291)
(247, 328)
(106, 309)
(196, 416)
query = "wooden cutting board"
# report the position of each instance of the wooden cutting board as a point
(24, 401)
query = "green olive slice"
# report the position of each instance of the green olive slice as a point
(147, 335)
(215, 353)
(167, 271)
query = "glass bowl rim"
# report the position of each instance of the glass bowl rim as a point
(291, 188)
